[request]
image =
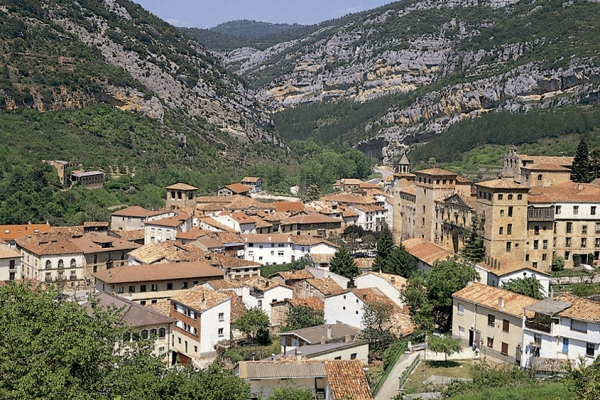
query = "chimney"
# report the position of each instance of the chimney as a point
(393, 279)
(347, 338)
(501, 302)
(328, 331)
(322, 340)
(203, 301)
(298, 357)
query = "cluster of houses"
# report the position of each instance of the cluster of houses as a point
(186, 273)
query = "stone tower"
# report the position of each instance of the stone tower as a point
(181, 195)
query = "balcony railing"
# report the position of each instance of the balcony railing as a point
(538, 326)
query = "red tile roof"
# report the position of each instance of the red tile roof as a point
(159, 272)
(181, 186)
(12, 232)
(347, 380)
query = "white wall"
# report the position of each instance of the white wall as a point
(210, 325)
(276, 293)
(344, 308)
(374, 281)
(269, 253)
(5, 267)
(323, 273)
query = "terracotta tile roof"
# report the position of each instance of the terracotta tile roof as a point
(239, 202)
(322, 258)
(47, 244)
(490, 297)
(200, 299)
(502, 184)
(402, 324)
(366, 208)
(93, 243)
(161, 306)
(436, 172)
(213, 199)
(215, 224)
(238, 308)
(159, 272)
(7, 252)
(205, 207)
(169, 250)
(223, 284)
(209, 243)
(368, 185)
(95, 224)
(181, 186)
(349, 213)
(396, 281)
(347, 379)
(581, 309)
(556, 160)
(306, 240)
(311, 302)
(546, 167)
(351, 181)
(192, 234)
(260, 283)
(410, 190)
(67, 231)
(314, 334)
(171, 222)
(251, 179)
(311, 218)
(228, 261)
(276, 216)
(326, 286)
(293, 275)
(287, 206)
(134, 314)
(229, 238)
(266, 238)
(374, 295)
(348, 198)
(129, 235)
(284, 369)
(566, 192)
(364, 262)
(262, 224)
(238, 188)
(137, 212)
(425, 250)
(504, 266)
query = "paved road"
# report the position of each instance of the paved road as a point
(390, 388)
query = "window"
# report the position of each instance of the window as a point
(545, 245)
(169, 286)
(154, 287)
(195, 349)
(536, 244)
(526, 257)
(221, 316)
(568, 242)
(579, 326)
(575, 210)
(519, 197)
(510, 196)
(535, 264)
(260, 303)
(510, 211)
(142, 288)
(491, 320)
(539, 177)
(500, 197)
(501, 213)
(597, 242)
(461, 331)
(48, 264)
(583, 242)
(461, 309)
(127, 337)
(162, 333)
(505, 325)
(508, 246)
(584, 229)
(593, 210)
(504, 349)
(143, 302)
(589, 349)
(120, 289)
(558, 209)
(567, 255)
(353, 356)
(565, 347)
(501, 230)
(490, 342)
(184, 285)
(569, 227)
(153, 332)
(221, 332)
(536, 230)
(131, 289)
(145, 334)
(544, 257)
(280, 253)
(161, 350)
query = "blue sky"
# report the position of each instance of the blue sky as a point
(209, 13)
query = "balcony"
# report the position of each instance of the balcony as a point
(538, 326)
(540, 214)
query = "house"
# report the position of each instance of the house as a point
(496, 272)
(425, 253)
(238, 221)
(150, 283)
(203, 319)
(235, 268)
(255, 184)
(89, 180)
(181, 196)
(130, 236)
(165, 252)
(323, 273)
(371, 217)
(347, 307)
(329, 380)
(262, 293)
(277, 248)
(10, 233)
(491, 319)
(320, 334)
(318, 288)
(281, 308)
(233, 189)
(62, 169)
(563, 328)
(146, 321)
(163, 229)
(389, 284)
(291, 278)
(10, 264)
(354, 350)
(135, 218)
(312, 224)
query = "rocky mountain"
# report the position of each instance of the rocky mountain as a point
(71, 54)
(429, 64)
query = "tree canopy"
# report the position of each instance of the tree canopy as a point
(254, 323)
(343, 264)
(390, 258)
(528, 286)
(581, 170)
(474, 249)
(302, 317)
(377, 331)
(443, 344)
(52, 349)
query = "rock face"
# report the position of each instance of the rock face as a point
(461, 54)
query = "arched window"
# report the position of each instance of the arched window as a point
(73, 263)
(127, 337)
(61, 264)
(145, 334)
(48, 264)
(152, 332)
(162, 332)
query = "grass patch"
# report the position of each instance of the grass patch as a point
(454, 369)
(540, 391)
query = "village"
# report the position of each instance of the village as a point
(187, 274)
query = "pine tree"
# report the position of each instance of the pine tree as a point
(385, 246)
(581, 170)
(399, 262)
(474, 249)
(343, 264)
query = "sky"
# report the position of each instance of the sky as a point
(210, 13)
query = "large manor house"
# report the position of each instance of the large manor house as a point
(530, 214)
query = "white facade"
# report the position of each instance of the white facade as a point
(49, 268)
(159, 232)
(269, 296)
(345, 308)
(493, 280)
(10, 264)
(369, 220)
(278, 249)
(323, 273)
(369, 280)
(229, 221)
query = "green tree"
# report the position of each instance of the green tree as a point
(595, 162)
(376, 320)
(400, 262)
(302, 317)
(414, 295)
(558, 263)
(254, 323)
(343, 264)
(385, 246)
(474, 249)
(443, 344)
(581, 170)
(584, 380)
(291, 393)
(447, 277)
(528, 286)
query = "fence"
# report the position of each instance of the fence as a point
(389, 368)
(407, 372)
